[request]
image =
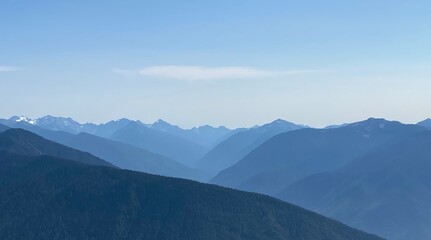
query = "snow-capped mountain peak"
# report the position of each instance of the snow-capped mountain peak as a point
(66, 124)
(23, 119)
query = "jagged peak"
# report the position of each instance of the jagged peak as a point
(50, 117)
(160, 122)
(280, 122)
(22, 119)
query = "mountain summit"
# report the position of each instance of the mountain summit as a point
(233, 149)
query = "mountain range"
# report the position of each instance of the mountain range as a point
(186, 146)
(18, 141)
(132, 158)
(117, 153)
(234, 148)
(205, 136)
(371, 175)
(159, 142)
(387, 191)
(48, 191)
(61, 124)
(293, 155)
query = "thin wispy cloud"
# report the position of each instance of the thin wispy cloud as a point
(8, 69)
(195, 73)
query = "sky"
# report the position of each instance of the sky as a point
(232, 63)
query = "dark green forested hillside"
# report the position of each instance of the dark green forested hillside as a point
(22, 142)
(47, 198)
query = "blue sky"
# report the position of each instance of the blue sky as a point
(234, 63)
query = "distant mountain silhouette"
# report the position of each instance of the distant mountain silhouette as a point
(132, 158)
(233, 149)
(22, 142)
(109, 128)
(425, 123)
(20, 119)
(159, 142)
(64, 124)
(291, 156)
(119, 154)
(209, 136)
(387, 192)
(48, 198)
(52, 123)
(225, 136)
(30, 126)
(205, 136)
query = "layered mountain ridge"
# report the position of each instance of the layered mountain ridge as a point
(43, 197)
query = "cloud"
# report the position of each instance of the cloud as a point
(194, 73)
(8, 69)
